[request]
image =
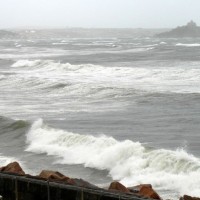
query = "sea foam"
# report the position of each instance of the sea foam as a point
(188, 45)
(5, 160)
(128, 161)
(179, 78)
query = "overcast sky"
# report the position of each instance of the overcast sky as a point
(98, 13)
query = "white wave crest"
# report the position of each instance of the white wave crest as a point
(188, 45)
(6, 160)
(26, 63)
(46, 65)
(2, 76)
(127, 161)
(179, 78)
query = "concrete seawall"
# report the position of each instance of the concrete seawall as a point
(14, 187)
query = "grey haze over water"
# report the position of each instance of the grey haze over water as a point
(98, 13)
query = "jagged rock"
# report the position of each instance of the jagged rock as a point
(83, 183)
(145, 190)
(34, 177)
(136, 189)
(55, 176)
(119, 187)
(13, 167)
(149, 192)
(186, 197)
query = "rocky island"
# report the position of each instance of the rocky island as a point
(189, 30)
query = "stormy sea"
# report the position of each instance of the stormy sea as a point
(103, 106)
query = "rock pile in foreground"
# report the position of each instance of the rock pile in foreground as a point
(142, 190)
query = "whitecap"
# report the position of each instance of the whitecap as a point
(188, 45)
(128, 161)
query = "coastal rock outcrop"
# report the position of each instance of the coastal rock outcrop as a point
(57, 176)
(13, 167)
(149, 192)
(145, 190)
(119, 187)
(52, 175)
(189, 30)
(136, 189)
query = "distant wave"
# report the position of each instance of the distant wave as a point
(8, 124)
(180, 78)
(188, 45)
(127, 161)
(2, 77)
(60, 43)
(89, 87)
(22, 52)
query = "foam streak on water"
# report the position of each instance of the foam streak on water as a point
(188, 45)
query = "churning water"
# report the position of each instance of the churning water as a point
(104, 109)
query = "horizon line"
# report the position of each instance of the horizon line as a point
(74, 27)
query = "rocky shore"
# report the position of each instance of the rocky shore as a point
(142, 191)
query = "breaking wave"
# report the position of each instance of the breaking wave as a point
(128, 161)
(7, 124)
(5, 160)
(179, 78)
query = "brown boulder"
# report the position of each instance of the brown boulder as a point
(118, 186)
(136, 189)
(186, 197)
(13, 167)
(55, 176)
(149, 192)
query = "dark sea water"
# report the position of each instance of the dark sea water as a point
(103, 109)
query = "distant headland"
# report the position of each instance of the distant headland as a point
(189, 30)
(7, 34)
